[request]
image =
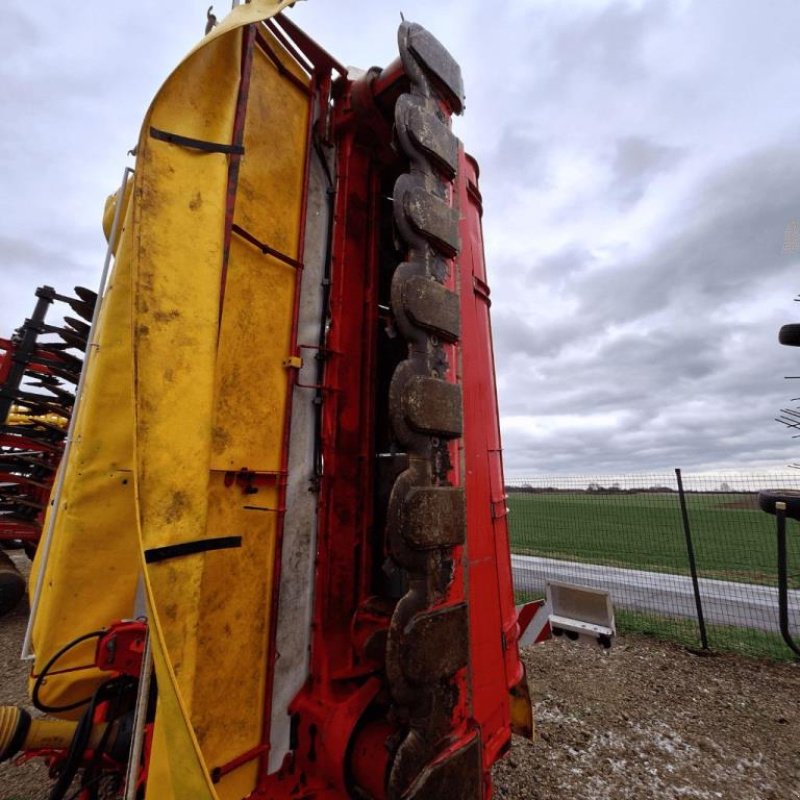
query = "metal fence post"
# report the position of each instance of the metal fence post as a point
(692, 563)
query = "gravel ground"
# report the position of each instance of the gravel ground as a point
(643, 720)
(651, 720)
(26, 782)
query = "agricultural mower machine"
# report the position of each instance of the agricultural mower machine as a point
(275, 562)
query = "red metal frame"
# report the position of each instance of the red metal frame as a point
(33, 491)
(492, 608)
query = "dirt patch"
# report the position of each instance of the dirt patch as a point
(649, 719)
(749, 503)
(643, 720)
(25, 782)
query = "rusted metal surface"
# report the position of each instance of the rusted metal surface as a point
(435, 517)
(456, 775)
(430, 305)
(433, 137)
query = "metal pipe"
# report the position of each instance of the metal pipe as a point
(55, 502)
(783, 588)
(139, 720)
(692, 563)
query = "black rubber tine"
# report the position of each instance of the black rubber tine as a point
(72, 339)
(79, 326)
(84, 309)
(51, 347)
(65, 374)
(87, 295)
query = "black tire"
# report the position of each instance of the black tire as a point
(790, 335)
(12, 584)
(768, 497)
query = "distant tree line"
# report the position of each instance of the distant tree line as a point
(615, 488)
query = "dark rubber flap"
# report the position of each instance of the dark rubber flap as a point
(433, 406)
(430, 134)
(434, 219)
(790, 335)
(435, 517)
(433, 55)
(437, 644)
(458, 775)
(430, 305)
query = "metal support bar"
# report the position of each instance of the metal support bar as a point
(23, 353)
(692, 563)
(139, 720)
(55, 502)
(783, 588)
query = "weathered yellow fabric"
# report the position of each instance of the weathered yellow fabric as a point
(93, 568)
(183, 394)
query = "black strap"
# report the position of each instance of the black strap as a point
(157, 554)
(196, 144)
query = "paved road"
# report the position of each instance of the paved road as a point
(724, 602)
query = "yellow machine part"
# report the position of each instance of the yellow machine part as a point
(20, 416)
(92, 571)
(185, 398)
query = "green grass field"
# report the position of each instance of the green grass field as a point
(721, 638)
(733, 540)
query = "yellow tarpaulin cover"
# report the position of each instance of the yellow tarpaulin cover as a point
(184, 414)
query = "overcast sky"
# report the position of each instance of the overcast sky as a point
(641, 177)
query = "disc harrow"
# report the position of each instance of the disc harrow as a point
(38, 376)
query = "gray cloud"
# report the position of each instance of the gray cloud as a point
(636, 162)
(640, 164)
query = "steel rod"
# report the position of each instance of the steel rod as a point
(692, 562)
(139, 720)
(783, 582)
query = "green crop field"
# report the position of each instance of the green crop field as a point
(733, 540)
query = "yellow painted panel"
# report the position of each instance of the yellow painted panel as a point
(251, 379)
(236, 594)
(271, 179)
(209, 392)
(255, 338)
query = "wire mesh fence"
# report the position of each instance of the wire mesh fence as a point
(627, 534)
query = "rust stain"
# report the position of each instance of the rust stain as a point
(177, 506)
(220, 439)
(166, 316)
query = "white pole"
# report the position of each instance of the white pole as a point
(139, 720)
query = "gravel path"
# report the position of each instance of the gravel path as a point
(643, 720)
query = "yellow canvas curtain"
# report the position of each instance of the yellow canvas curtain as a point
(186, 398)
